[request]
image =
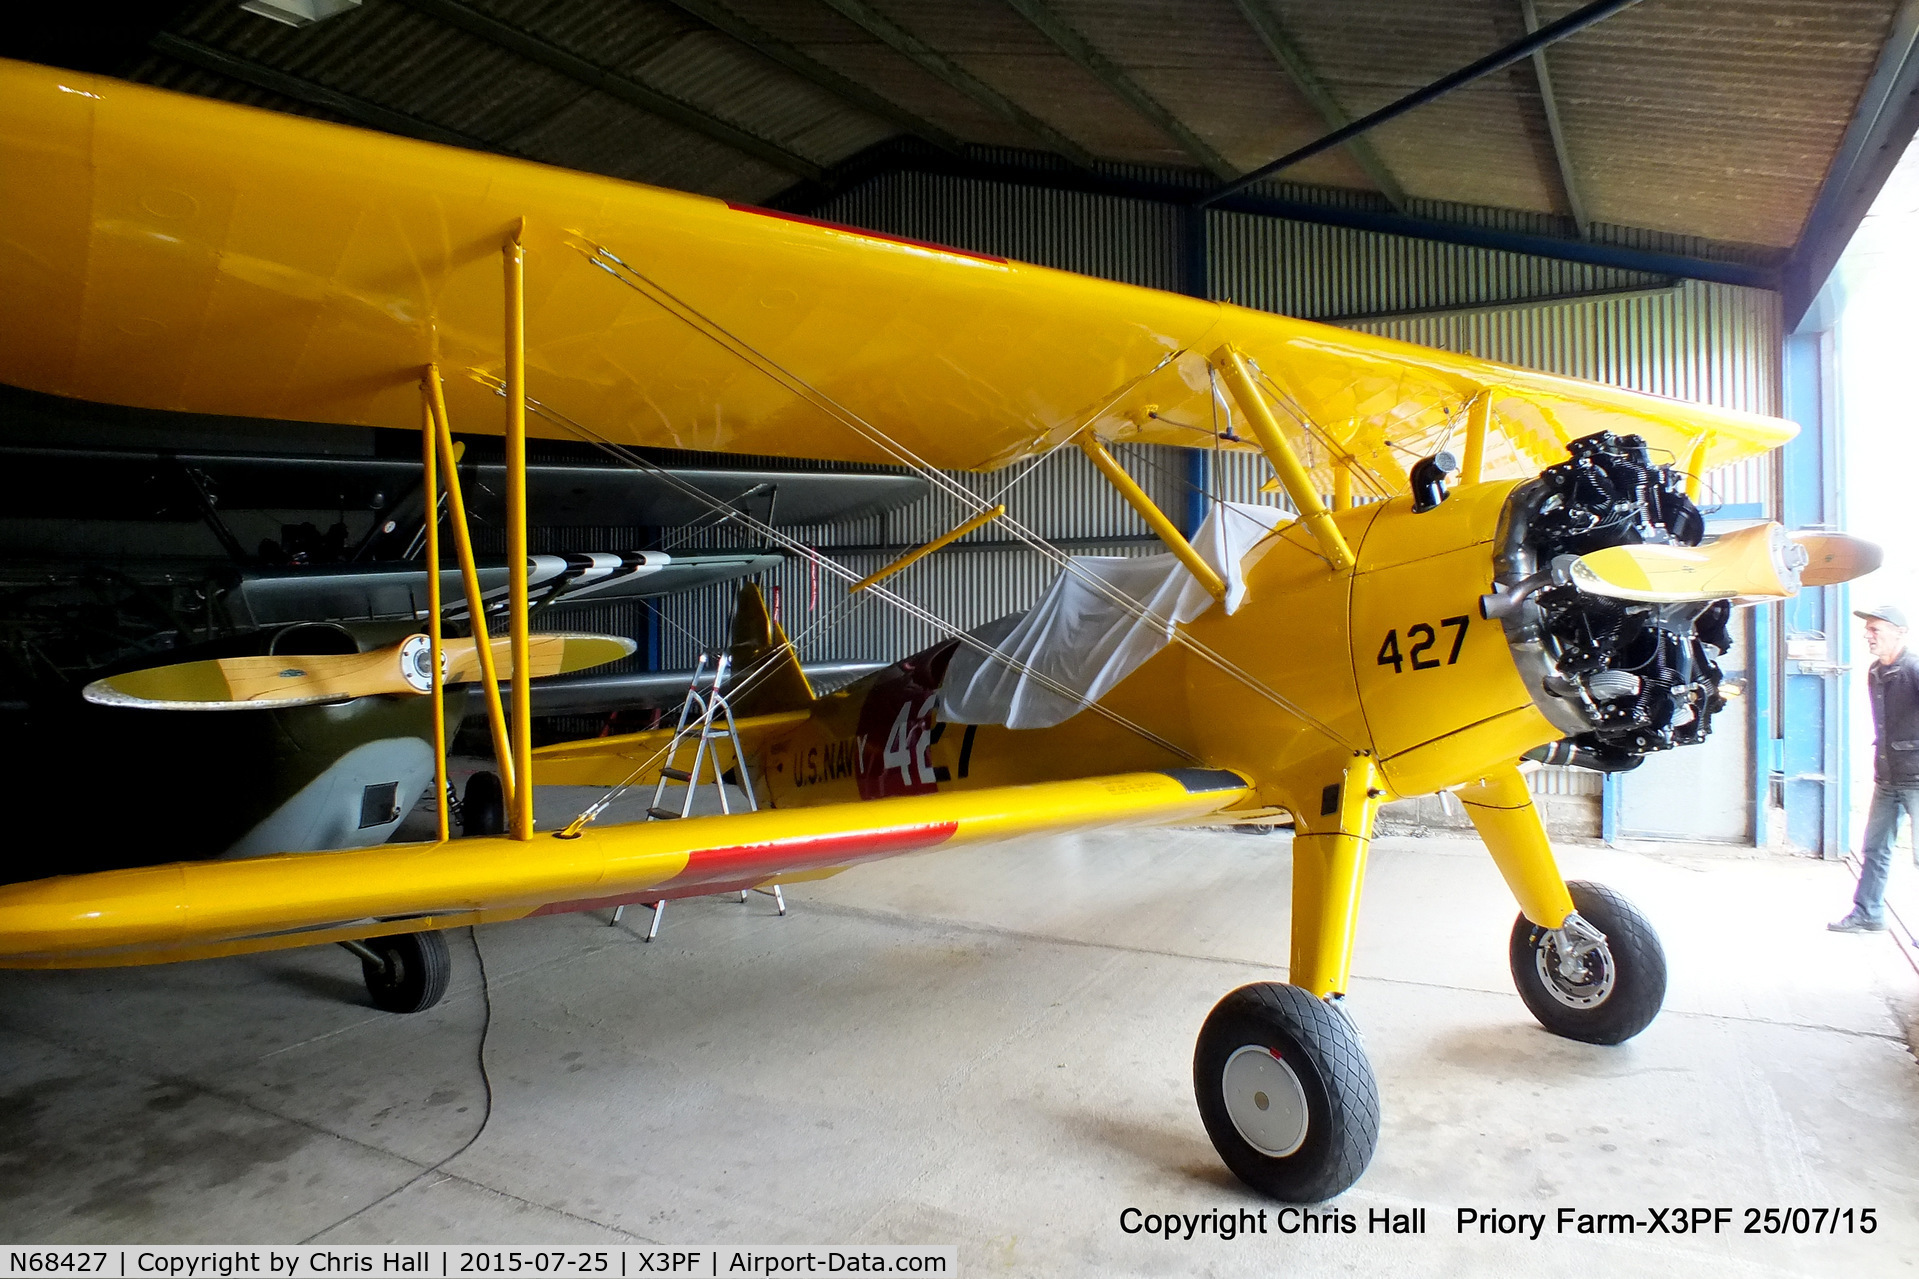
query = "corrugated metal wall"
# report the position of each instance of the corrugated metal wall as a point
(1716, 343)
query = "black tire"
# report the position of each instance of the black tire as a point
(1621, 987)
(483, 807)
(412, 974)
(1325, 1131)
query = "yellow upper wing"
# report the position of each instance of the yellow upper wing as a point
(174, 252)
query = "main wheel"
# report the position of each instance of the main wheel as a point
(1599, 993)
(483, 807)
(1286, 1092)
(412, 972)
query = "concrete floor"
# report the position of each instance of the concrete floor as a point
(989, 1048)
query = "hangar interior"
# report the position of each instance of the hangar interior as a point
(1656, 201)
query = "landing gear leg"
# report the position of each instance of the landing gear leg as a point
(1280, 1073)
(1586, 963)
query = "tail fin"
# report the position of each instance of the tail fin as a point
(764, 661)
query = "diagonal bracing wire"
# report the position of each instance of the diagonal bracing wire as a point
(633, 278)
(760, 669)
(768, 532)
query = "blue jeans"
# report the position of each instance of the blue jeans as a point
(1882, 820)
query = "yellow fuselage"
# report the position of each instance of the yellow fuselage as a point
(1393, 658)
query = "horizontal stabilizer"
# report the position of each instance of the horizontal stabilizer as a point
(279, 681)
(69, 483)
(647, 690)
(371, 592)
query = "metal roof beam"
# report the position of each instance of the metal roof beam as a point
(815, 72)
(1498, 60)
(1568, 179)
(652, 101)
(1110, 74)
(1882, 128)
(358, 110)
(1260, 16)
(929, 59)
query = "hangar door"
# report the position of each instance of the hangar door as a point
(1701, 792)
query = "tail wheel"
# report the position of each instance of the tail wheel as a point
(1286, 1092)
(412, 973)
(483, 807)
(1601, 984)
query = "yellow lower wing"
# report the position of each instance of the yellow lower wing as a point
(191, 910)
(265, 683)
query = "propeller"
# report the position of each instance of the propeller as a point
(275, 682)
(1836, 557)
(1752, 564)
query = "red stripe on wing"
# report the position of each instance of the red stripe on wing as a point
(714, 870)
(807, 852)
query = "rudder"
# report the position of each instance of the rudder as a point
(766, 668)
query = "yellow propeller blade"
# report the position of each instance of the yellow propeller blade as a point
(1761, 562)
(262, 683)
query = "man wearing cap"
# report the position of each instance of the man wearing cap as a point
(1892, 685)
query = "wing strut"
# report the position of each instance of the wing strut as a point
(430, 487)
(943, 540)
(1155, 518)
(1696, 465)
(520, 799)
(1478, 416)
(470, 576)
(1272, 442)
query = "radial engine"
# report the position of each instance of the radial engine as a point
(1620, 678)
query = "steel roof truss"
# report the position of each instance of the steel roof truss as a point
(929, 59)
(816, 73)
(1260, 16)
(1107, 72)
(632, 92)
(1568, 179)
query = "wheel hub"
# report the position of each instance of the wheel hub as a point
(1265, 1101)
(1575, 963)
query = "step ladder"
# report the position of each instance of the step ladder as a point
(705, 720)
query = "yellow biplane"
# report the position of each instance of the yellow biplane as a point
(1480, 563)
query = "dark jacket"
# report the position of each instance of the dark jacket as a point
(1893, 690)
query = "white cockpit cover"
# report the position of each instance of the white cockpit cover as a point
(1086, 642)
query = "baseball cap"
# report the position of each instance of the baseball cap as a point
(1885, 613)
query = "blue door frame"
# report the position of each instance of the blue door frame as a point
(1809, 738)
